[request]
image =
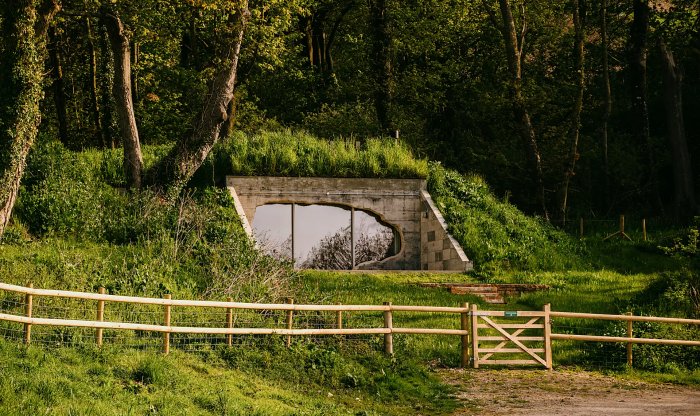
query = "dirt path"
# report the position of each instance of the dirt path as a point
(544, 393)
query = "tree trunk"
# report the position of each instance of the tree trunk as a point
(92, 86)
(513, 49)
(29, 43)
(638, 83)
(105, 81)
(608, 98)
(318, 39)
(121, 90)
(333, 33)
(579, 52)
(308, 39)
(230, 123)
(59, 94)
(381, 55)
(684, 201)
(172, 172)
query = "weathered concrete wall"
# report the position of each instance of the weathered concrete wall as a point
(398, 202)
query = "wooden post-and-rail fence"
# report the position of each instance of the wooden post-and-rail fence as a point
(519, 337)
(619, 233)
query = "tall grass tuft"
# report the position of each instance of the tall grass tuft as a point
(287, 153)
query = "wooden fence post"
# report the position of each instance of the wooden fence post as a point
(622, 225)
(547, 336)
(339, 318)
(629, 344)
(166, 335)
(464, 321)
(229, 323)
(28, 305)
(100, 316)
(644, 229)
(389, 324)
(475, 336)
(290, 317)
(621, 233)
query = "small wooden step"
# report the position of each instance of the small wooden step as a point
(489, 294)
(493, 293)
(465, 290)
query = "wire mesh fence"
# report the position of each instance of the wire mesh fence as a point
(589, 355)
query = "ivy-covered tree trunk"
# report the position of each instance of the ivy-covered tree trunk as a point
(173, 172)
(28, 52)
(92, 86)
(123, 97)
(104, 79)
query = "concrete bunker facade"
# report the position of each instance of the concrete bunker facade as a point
(404, 204)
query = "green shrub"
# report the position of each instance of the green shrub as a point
(686, 243)
(343, 120)
(676, 293)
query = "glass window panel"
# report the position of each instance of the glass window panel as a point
(374, 241)
(272, 230)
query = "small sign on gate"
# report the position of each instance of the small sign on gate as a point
(510, 314)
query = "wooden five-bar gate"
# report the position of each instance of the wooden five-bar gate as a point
(522, 336)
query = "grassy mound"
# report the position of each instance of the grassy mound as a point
(74, 194)
(495, 234)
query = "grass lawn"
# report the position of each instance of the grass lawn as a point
(332, 375)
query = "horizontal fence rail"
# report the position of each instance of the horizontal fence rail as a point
(220, 304)
(519, 337)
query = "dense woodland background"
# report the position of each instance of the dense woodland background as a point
(565, 108)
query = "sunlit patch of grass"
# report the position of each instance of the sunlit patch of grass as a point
(102, 382)
(691, 378)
